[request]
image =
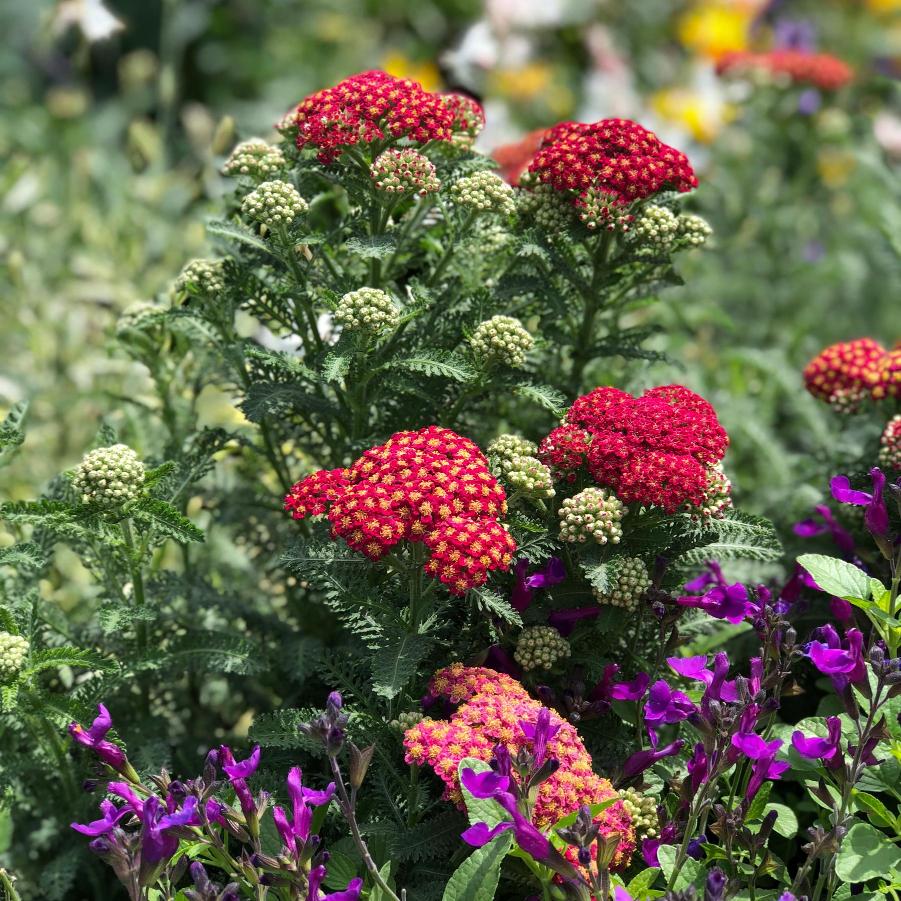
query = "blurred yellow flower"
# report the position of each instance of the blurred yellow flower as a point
(835, 167)
(693, 110)
(715, 27)
(400, 66)
(883, 6)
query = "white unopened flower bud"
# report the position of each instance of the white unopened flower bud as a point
(109, 476)
(540, 647)
(717, 496)
(13, 653)
(501, 339)
(693, 231)
(643, 811)
(200, 278)
(274, 203)
(367, 310)
(406, 720)
(655, 229)
(484, 192)
(254, 158)
(598, 209)
(593, 514)
(540, 204)
(632, 581)
(506, 447)
(404, 172)
(530, 476)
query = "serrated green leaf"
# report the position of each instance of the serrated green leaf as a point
(214, 652)
(238, 233)
(602, 576)
(493, 604)
(377, 247)
(543, 395)
(50, 658)
(23, 556)
(436, 363)
(396, 664)
(154, 476)
(335, 366)
(736, 536)
(12, 432)
(165, 519)
(837, 577)
(477, 877)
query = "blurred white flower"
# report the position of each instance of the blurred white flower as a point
(91, 17)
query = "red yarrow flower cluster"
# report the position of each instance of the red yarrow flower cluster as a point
(372, 106)
(491, 706)
(846, 373)
(431, 486)
(609, 164)
(820, 70)
(656, 449)
(468, 116)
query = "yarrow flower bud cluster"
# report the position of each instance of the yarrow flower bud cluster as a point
(469, 118)
(501, 339)
(656, 227)
(540, 647)
(693, 231)
(274, 204)
(204, 278)
(604, 166)
(655, 449)
(109, 476)
(367, 310)
(406, 720)
(632, 581)
(890, 444)
(431, 486)
(643, 810)
(371, 106)
(593, 514)
(13, 653)
(491, 706)
(887, 375)
(514, 459)
(506, 447)
(717, 497)
(844, 374)
(255, 158)
(484, 192)
(821, 70)
(543, 206)
(404, 172)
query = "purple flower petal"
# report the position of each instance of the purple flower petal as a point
(484, 785)
(845, 494)
(479, 834)
(630, 691)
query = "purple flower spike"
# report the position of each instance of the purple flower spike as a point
(641, 760)
(540, 733)
(665, 706)
(238, 773)
(109, 821)
(95, 739)
(694, 668)
(822, 748)
(876, 515)
(754, 747)
(841, 664)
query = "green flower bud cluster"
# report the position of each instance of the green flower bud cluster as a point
(632, 581)
(367, 310)
(109, 476)
(543, 205)
(135, 315)
(506, 447)
(693, 231)
(203, 278)
(656, 228)
(484, 192)
(406, 720)
(255, 158)
(593, 514)
(597, 209)
(540, 647)
(643, 810)
(13, 651)
(513, 460)
(404, 172)
(501, 339)
(274, 204)
(489, 237)
(717, 497)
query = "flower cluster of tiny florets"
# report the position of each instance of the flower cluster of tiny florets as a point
(655, 449)
(501, 339)
(406, 720)
(506, 447)
(469, 118)
(656, 228)
(404, 171)
(367, 310)
(543, 206)
(820, 70)
(887, 375)
(890, 444)
(632, 581)
(593, 514)
(513, 458)
(13, 653)
(430, 486)
(371, 106)
(693, 231)
(274, 203)
(643, 810)
(203, 278)
(717, 497)
(844, 374)
(491, 707)
(109, 476)
(540, 647)
(605, 166)
(256, 159)
(484, 192)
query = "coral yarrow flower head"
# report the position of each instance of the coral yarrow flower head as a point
(656, 449)
(491, 708)
(819, 70)
(605, 166)
(431, 486)
(844, 373)
(372, 107)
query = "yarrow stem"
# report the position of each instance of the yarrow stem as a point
(592, 306)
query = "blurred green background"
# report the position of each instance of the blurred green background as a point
(116, 116)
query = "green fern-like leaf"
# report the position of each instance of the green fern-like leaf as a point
(80, 658)
(737, 536)
(491, 603)
(165, 519)
(237, 234)
(396, 664)
(543, 395)
(12, 432)
(441, 364)
(214, 652)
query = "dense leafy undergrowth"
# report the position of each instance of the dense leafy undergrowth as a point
(504, 580)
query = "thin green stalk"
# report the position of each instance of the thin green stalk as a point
(137, 581)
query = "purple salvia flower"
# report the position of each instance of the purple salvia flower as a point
(697, 767)
(826, 749)
(95, 739)
(841, 664)
(540, 733)
(109, 821)
(315, 879)
(729, 602)
(694, 668)
(630, 691)
(238, 773)
(665, 706)
(876, 514)
(552, 573)
(809, 528)
(641, 760)
(713, 575)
